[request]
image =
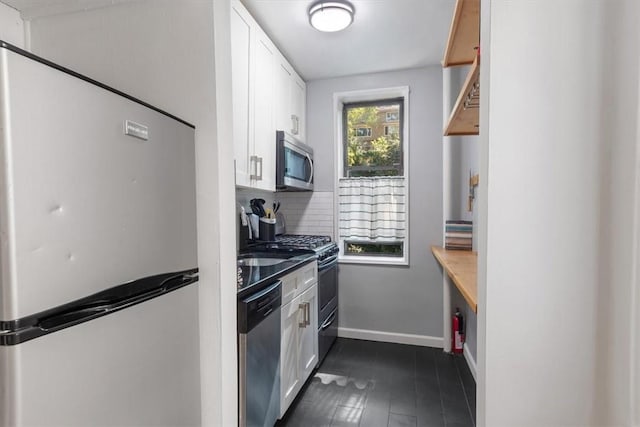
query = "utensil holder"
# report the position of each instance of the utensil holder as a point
(267, 229)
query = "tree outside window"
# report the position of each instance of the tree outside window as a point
(373, 147)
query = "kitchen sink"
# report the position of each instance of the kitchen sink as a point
(260, 261)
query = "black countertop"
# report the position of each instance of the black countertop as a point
(253, 279)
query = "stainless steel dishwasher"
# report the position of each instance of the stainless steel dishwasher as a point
(259, 357)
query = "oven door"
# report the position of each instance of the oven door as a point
(327, 288)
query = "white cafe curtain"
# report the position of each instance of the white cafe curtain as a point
(372, 209)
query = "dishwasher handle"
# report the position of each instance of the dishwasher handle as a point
(256, 307)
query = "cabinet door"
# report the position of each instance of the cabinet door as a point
(264, 143)
(308, 345)
(240, 86)
(290, 377)
(298, 106)
(284, 74)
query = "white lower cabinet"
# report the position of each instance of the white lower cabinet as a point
(299, 332)
(308, 339)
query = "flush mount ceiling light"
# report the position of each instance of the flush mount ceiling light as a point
(331, 16)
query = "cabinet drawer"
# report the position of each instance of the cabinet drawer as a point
(293, 284)
(307, 276)
(289, 287)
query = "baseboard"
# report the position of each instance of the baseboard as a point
(364, 334)
(470, 362)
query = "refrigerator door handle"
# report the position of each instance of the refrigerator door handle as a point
(93, 306)
(73, 317)
(84, 312)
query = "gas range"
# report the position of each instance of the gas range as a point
(326, 251)
(302, 241)
(324, 248)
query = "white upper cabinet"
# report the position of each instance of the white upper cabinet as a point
(241, 35)
(298, 106)
(284, 76)
(263, 94)
(264, 132)
(291, 100)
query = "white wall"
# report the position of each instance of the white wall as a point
(163, 53)
(558, 157)
(395, 300)
(11, 26)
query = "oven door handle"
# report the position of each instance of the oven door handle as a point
(328, 263)
(330, 320)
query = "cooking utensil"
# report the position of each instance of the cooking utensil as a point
(254, 207)
(257, 207)
(276, 207)
(261, 203)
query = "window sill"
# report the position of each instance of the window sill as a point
(373, 260)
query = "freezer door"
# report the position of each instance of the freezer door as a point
(136, 367)
(83, 206)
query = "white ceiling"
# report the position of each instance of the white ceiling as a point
(31, 9)
(385, 35)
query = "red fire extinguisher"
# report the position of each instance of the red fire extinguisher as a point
(457, 332)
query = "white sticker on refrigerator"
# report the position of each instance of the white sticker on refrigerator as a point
(136, 129)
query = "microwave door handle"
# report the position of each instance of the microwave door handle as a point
(310, 164)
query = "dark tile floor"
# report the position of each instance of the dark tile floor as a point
(370, 384)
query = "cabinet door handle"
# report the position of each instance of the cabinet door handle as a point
(308, 313)
(253, 161)
(294, 124)
(260, 162)
(303, 324)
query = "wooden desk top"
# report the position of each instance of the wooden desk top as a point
(462, 267)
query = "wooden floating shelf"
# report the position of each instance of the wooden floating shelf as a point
(462, 267)
(464, 34)
(465, 117)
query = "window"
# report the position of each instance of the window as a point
(391, 130)
(362, 131)
(381, 155)
(371, 184)
(392, 116)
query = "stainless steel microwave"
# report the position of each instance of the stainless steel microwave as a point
(294, 164)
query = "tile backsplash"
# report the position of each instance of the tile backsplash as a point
(308, 212)
(304, 212)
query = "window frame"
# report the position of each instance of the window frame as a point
(364, 96)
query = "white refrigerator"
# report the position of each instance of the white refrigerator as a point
(98, 262)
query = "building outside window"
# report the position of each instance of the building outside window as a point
(372, 196)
